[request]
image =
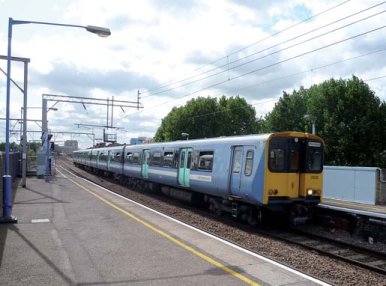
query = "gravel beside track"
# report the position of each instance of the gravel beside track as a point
(313, 264)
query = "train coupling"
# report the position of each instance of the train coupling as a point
(299, 214)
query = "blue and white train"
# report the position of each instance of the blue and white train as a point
(242, 175)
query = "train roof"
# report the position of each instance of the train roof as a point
(223, 139)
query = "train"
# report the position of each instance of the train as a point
(245, 176)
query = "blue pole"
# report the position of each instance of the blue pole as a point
(47, 169)
(8, 97)
(7, 178)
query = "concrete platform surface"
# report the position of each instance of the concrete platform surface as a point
(71, 232)
(353, 207)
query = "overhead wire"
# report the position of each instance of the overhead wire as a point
(309, 32)
(271, 65)
(375, 78)
(315, 68)
(252, 44)
(272, 53)
(292, 75)
(296, 74)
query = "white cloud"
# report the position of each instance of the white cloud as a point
(153, 42)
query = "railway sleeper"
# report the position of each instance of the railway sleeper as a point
(377, 263)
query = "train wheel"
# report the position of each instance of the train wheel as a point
(255, 217)
(212, 207)
(218, 212)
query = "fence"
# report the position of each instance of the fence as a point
(381, 187)
(355, 184)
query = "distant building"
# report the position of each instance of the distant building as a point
(69, 146)
(100, 145)
(141, 140)
(135, 141)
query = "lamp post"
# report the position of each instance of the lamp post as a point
(312, 119)
(184, 134)
(7, 179)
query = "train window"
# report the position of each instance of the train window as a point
(129, 157)
(315, 160)
(182, 160)
(117, 157)
(276, 160)
(168, 159)
(189, 163)
(237, 159)
(102, 157)
(155, 159)
(133, 158)
(175, 159)
(136, 158)
(249, 163)
(205, 161)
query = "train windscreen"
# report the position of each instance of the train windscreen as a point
(294, 155)
(314, 157)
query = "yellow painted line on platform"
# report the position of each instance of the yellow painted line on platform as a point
(169, 237)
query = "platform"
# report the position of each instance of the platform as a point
(71, 232)
(377, 211)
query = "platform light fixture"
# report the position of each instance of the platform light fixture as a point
(184, 134)
(312, 119)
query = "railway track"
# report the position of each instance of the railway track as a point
(347, 252)
(339, 250)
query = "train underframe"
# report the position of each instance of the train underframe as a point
(294, 211)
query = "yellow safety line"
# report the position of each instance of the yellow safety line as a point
(169, 237)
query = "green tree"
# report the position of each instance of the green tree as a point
(33, 146)
(209, 117)
(13, 147)
(288, 113)
(349, 117)
(236, 117)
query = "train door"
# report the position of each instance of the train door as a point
(184, 167)
(236, 175)
(97, 159)
(294, 169)
(284, 167)
(237, 162)
(241, 170)
(145, 163)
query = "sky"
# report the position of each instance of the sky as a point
(173, 51)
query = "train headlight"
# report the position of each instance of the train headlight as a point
(310, 192)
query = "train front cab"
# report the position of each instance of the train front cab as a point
(294, 172)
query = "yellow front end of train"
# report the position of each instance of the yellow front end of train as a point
(293, 171)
